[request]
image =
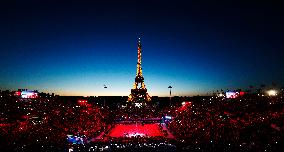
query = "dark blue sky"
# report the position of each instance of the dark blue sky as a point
(73, 48)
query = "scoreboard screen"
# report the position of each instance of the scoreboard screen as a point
(232, 94)
(29, 94)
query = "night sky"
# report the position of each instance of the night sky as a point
(73, 48)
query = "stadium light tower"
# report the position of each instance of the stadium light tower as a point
(105, 97)
(170, 87)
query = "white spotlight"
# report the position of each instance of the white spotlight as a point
(272, 92)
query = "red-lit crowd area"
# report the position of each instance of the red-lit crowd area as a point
(252, 122)
(137, 113)
(43, 124)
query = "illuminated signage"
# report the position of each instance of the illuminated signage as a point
(29, 94)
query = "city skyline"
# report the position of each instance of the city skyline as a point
(77, 48)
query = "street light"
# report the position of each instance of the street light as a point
(170, 87)
(105, 97)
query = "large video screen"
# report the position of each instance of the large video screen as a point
(29, 94)
(232, 94)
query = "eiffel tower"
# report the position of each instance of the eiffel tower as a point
(139, 91)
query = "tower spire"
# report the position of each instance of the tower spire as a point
(139, 58)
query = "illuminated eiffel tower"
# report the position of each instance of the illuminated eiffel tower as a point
(139, 91)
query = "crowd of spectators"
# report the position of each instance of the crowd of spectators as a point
(46, 122)
(137, 113)
(249, 123)
(253, 123)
